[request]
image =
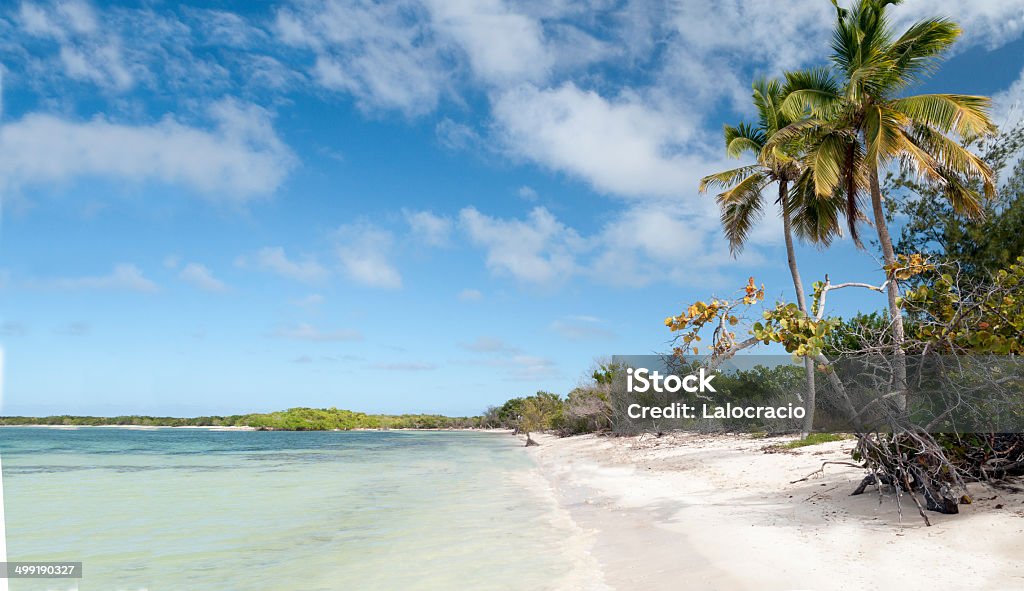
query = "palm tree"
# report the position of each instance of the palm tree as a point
(742, 198)
(856, 122)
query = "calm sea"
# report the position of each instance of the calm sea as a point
(194, 509)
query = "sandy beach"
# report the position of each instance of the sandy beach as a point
(718, 513)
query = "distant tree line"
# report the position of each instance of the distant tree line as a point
(293, 419)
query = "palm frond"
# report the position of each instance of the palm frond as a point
(729, 178)
(813, 91)
(797, 133)
(882, 134)
(742, 207)
(951, 158)
(964, 198)
(861, 43)
(743, 138)
(826, 160)
(965, 115)
(767, 98)
(919, 160)
(815, 219)
(915, 53)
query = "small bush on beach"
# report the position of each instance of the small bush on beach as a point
(815, 439)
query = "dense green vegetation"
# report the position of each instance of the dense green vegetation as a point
(293, 419)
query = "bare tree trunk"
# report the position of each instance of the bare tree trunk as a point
(892, 291)
(801, 301)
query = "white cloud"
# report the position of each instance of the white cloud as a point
(408, 55)
(363, 251)
(986, 23)
(502, 46)
(220, 27)
(428, 228)
(710, 42)
(86, 52)
(527, 193)
(241, 158)
(470, 295)
(383, 54)
(307, 332)
(120, 49)
(124, 276)
(274, 259)
(647, 242)
(650, 243)
(1008, 105)
(200, 276)
(622, 146)
(537, 250)
(456, 136)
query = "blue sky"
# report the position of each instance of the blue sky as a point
(415, 206)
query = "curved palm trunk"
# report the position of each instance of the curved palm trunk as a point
(892, 291)
(801, 301)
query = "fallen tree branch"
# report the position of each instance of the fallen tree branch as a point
(821, 470)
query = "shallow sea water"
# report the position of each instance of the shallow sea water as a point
(195, 509)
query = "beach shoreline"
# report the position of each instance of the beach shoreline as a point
(247, 428)
(720, 513)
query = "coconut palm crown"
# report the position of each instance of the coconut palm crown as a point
(855, 120)
(811, 217)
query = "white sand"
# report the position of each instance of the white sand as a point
(694, 512)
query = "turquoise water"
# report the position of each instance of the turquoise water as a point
(195, 509)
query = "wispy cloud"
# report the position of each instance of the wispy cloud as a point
(1008, 105)
(582, 328)
(240, 158)
(539, 249)
(379, 53)
(404, 366)
(488, 344)
(310, 301)
(74, 329)
(527, 193)
(124, 276)
(306, 359)
(86, 52)
(428, 228)
(201, 277)
(363, 251)
(274, 259)
(457, 136)
(307, 332)
(9, 328)
(645, 243)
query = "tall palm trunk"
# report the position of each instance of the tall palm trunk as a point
(892, 291)
(801, 301)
